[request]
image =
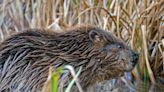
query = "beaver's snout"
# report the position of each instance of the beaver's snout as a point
(135, 56)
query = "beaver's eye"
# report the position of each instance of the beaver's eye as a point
(119, 46)
(114, 47)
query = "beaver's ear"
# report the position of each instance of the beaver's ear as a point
(95, 36)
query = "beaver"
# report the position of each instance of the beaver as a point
(26, 56)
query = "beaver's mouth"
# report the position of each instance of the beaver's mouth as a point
(130, 68)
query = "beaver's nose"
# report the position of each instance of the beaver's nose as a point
(135, 56)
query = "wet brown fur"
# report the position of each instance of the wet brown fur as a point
(25, 57)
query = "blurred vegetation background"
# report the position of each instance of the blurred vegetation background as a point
(140, 23)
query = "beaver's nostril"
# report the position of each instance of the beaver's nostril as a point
(135, 55)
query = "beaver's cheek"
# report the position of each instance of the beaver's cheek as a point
(126, 65)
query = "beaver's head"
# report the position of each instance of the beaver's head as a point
(109, 56)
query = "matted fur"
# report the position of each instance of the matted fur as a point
(25, 57)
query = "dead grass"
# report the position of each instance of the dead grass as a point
(138, 22)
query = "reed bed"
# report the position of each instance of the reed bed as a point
(140, 23)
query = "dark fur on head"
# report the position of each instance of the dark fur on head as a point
(25, 57)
